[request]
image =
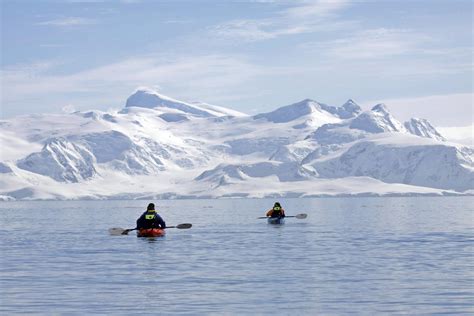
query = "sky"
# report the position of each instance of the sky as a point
(252, 56)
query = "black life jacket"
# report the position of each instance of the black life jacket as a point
(147, 220)
(276, 212)
(150, 215)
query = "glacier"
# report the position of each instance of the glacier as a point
(160, 147)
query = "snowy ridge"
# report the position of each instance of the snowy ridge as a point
(161, 147)
(219, 109)
(310, 114)
(423, 128)
(148, 98)
(61, 160)
(377, 120)
(310, 110)
(419, 163)
(284, 171)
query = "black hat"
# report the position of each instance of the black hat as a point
(150, 206)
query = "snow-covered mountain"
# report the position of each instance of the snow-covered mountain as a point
(377, 120)
(309, 113)
(160, 147)
(148, 98)
(404, 159)
(423, 128)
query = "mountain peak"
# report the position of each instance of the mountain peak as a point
(143, 94)
(423, 128)
(308, 101)
(349, 109)
(290, 112)
(381, 108)
(377, 120)
(309, 107)
(351, 104)
(148, 98)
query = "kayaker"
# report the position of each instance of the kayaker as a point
(276, 211)
(150, 219)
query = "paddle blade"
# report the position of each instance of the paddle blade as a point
(184, 226)
(119, 231)
(301, 216)
(116, 231)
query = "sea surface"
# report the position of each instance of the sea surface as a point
(362, 256)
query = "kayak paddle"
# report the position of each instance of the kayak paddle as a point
(181, 226)
(120, 231)
(299, 216)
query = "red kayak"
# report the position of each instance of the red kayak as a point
(151, 232)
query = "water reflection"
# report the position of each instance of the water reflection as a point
(353, 255)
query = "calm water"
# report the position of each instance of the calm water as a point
(350, 256)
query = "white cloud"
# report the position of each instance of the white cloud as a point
(314, 9)
(249, 30)
(305, 17)
(103, 1)
(387, 43)
(389, 53)
(372, 43)
(86, 1)
(463, 135)
(68, 21)
(46, 45)
(178, 21)
(68, 108)
(187, 77)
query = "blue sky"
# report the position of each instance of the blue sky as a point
(252, 56)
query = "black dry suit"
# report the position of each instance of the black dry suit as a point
(150, 219)
(277, 212)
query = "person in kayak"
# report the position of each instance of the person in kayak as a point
(150, 219)
(276, 211)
